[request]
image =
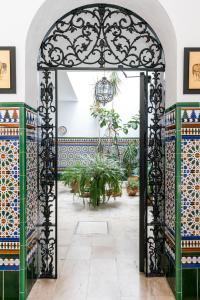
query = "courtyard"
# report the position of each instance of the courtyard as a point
(98, 254)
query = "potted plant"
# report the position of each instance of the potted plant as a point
(99, 176)
(71, 177)
(133, 187)
(111, 120)
(130, 160)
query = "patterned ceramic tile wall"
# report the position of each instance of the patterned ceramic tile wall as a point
(183, 199)
(170, 184)
(190, 187)
(31, 197)
(9, 191)
(9, 201)
(71, 150)
(18, 200)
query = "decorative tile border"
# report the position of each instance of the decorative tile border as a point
(9, 116)
(9, 194)
(190, 187)
(170, 118)
(190, 243)
(9, 264)
(71, 150)
(190, 115)
(186, 133)
(16, 122)
(31, 119)
(190, 262)
(170, 141)
(31, 209)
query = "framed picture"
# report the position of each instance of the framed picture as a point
(7, 70)
(191, 80)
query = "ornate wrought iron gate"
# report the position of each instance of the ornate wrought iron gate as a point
(152, 196)
(99, 37)
(47, 164)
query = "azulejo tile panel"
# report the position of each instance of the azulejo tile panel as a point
(170, 184)
(9, 116)
(9, 189)
(31, 188)
(31, 119)
(31, 199)
(190, 187)
(71, 150)
(170, 118)
(13, 152)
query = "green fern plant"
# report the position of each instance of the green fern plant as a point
(71, 176)
(97, 177)
(130, 159)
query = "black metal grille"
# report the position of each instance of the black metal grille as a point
(98, 37)
(107, 36)
(47, 175)
(154, 224)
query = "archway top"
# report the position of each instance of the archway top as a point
(101, 36)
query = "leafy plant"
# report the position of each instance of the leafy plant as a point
(98, 176)
(107, 118)
(71, 176)
(133, 184)
(132, 124)
(130, 159)
(115, 81)
(111, 119)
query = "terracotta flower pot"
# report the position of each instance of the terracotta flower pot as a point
(74, 187)
(114, 194)
(85, 195)
(132, 192)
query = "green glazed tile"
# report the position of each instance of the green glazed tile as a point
(170, 273)
(190, 284)
(198, 284)
(31, 276)
(1, 285)
(11, 285)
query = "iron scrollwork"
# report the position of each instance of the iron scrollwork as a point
(47, 176)
(101, 35)
(155, 222)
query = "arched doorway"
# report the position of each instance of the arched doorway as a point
(103, 36)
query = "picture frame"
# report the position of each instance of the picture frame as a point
(191, 80)
(7, 70)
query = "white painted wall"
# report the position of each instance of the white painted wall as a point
(76, 115)
(24, 23)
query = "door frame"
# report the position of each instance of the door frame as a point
(48, 67)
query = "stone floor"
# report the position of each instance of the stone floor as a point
(99, 260)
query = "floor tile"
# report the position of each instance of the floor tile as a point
(96, 264)
(79, 252)
(103, 283)
(92, 227)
